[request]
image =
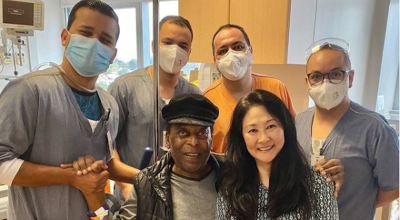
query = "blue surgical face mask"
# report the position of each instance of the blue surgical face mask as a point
(88, 56)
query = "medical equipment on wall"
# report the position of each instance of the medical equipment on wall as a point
(19, 18)
(22, 17)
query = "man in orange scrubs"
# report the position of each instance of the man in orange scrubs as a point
(233, 57)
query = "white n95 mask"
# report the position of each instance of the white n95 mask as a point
(173, 58)
(234, 65)
(328, 95)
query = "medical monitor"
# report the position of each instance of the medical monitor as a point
(22, 14)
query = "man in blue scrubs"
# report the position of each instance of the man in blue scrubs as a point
(340, 128)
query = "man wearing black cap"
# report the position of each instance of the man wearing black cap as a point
(182, 184)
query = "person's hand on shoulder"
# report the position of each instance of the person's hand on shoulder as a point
(335, 169)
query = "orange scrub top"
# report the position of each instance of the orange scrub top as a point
(219, 95)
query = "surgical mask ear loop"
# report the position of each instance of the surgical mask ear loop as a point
(65, 74)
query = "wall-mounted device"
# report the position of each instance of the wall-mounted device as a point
(19, 18)
(22, 17)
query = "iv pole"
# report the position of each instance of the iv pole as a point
(156, 80)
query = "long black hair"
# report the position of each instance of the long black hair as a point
(289, 184)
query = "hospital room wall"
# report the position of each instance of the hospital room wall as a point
(48, 42)
(44, 46)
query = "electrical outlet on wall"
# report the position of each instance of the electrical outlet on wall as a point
(18, 60)
(6, 58)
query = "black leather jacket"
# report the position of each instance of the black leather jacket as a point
(153, 189)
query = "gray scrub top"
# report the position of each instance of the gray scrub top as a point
(41, 122)
(134, 95)
(369, 151)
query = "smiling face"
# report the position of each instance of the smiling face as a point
(93, 24)
(263, 135)
(190, 148)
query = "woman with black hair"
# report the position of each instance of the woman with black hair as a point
(266, 175)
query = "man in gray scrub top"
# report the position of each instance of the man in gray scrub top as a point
(134, 93)
(182, 185)
(340, 128)
(56, 115)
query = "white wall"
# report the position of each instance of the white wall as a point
(49, 41)
(390, 59)
(301, 29)
(362, 23)
(45, 45)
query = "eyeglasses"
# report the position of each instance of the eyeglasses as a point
(335, 77)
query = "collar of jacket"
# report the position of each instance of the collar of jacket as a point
(159, 175)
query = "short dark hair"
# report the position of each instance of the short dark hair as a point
(229, 26)
(329, 46)
(96, 5)
(177, 20)
(290, 183)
